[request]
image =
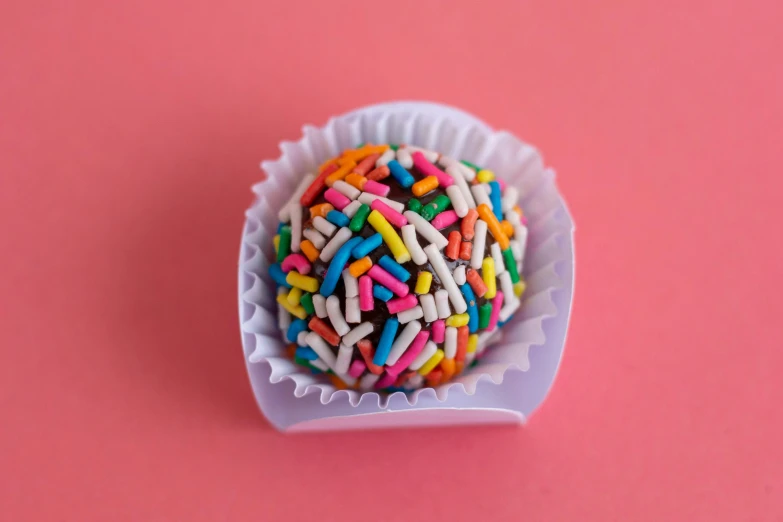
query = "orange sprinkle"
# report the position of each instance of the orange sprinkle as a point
(507, 228)
(340, 173)
(360, 266)
(452, 249)
(309, 250)
(368, 352)
(466, 226)
(380, 173)
(367, 164)
(357, 180)
(337, 382)
(475, 282)
(403, 378)
(361, 153)
(448, 367)
(465, 250)
(433, 378)
(489, 218)
(320, 210)
(326, 163)
(518, 210)
(422, 187)
(463, 332)
(320, 327)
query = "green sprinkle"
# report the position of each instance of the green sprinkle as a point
(359, 146)
(285, 244)
(302, 361)
(435, 207)
(394, 147)
(414, 205)
(471, 165)
(358, 219)
(511, 265)
(485, 311)
(307, 302)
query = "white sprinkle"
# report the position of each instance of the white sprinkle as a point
(319, 303)
(301, 338)
(352, 312)
(426, 230)
(346, 189)
(520, 230)
(450, 347)
(305, 182)
(343, 359)
(506, 286)
(315, 238)
(347, 379)
(358, 333)
(412, 244)
(385, 158)
(510, 197)
(351, 208)
(368, 380)
(336, 316)
(431, 155)
(403, 341)
(497, 257)
(509, 309)
(322, 226)
(415, 382)
(404, 158)
(318, 363)
(442, 303)
(517, 253)
(467, 172)
(446, 279)
(283, 317)
(296, 226)
(410, 314)
(367, 199)
(351, 284)
(481, 195)
(457, 200)
(459, 181)
(323, 350)
(479, 241)
(427, 302)
(459, 275)
(429, 350)
(334, 244)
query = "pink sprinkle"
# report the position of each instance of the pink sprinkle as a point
(439, 331)
(501, 184)
(402, 303)
(357, 368)
(389, 281)
(379, 189)
(296, 262)
(366, 302)
(387, 380)
(411, 353)
(340, 201)
(428, 169)
(497, 303)
(524, 220)
(445, 219)
(391, 215)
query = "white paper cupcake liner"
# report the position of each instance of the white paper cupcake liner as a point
(517, 370)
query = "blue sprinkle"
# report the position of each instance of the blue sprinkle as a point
(277, 274)
(335, 269)
(502, 323)
(305, 352)
(470, 298)
(494, 198)
(398, 172)
(393, 389)
(296, 326)
(280, 227)
(394, 268)
(367, 246)
(385, 342)
(315, 371)
(381, 292)
(338, 218)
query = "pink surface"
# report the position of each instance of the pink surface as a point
(129, 137)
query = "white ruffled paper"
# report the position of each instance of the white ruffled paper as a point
(518, 369)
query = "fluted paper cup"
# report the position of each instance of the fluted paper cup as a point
(516, 372)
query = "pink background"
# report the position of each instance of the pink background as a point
(129, 137)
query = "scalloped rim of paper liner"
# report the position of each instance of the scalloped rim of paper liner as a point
(475, 143)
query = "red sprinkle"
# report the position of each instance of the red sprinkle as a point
(466, 226)
(324, 330)
(367, 164)
(452, 249)
(462, 342)
(368, 352)
(465, 250)
(380, 173)
(475, 282)
(317, 185)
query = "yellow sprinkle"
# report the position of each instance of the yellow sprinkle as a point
(297, 311)
(472, 343)
(485, 176)
(519, 288)
(340, 173)
(458, 320)
(431, 363)
(276, 242)
(488, 275)
(294, 296)
(306, 283)
(423, 283)
(390, 236)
